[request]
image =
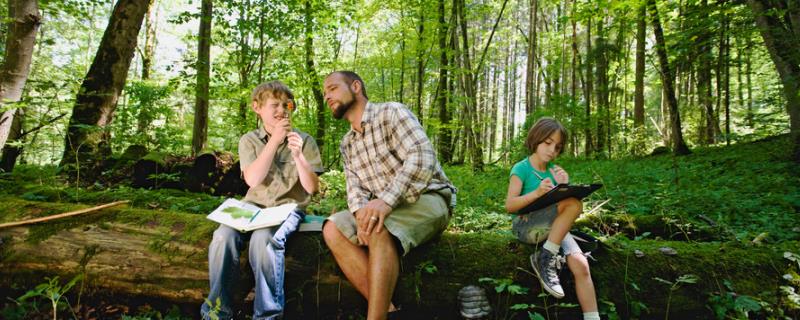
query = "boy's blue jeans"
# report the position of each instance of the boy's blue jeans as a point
(266, 259)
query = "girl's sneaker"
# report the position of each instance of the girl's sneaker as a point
(545, 266)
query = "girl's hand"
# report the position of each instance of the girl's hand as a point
(545, 186)
(560, 174)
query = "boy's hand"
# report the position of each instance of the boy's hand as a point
(295, 144)
(281, 130)
(560, 174)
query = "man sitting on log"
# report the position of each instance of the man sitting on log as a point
(397, 194)
(280, 164)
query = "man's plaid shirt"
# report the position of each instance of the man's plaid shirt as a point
(392, 160)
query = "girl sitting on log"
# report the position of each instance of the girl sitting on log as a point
(530, 179)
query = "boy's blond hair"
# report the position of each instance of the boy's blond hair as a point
(542, 130)
(273, 89)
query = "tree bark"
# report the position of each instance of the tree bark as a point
(530, 71)
(638, 98)
(20, 39)
(162, 256)
(151, 21)
(589, 74)
(420, 61)
(707, 133)
(779, 24)
(200, 129)
(445, 144)
(143, 118)
(678, 145)
(87, 142)
(602, 87)
(313, 76)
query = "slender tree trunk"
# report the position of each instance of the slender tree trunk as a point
(749, 72)
(727, 72)
(638, 98)
(445, 145)
(420, 60)
(244, 64)
(87, 140)
(678, 145)
(530, 72)
(471, 130)
(402, 57)
(602, 86)
(23, 24)
(779, 23)
(313, 76)
(707, 135)
(150, 23)
(588, 88)
(200, 129)
(144, 118)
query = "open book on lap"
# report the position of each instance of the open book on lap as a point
(560, 192)
(245, 216)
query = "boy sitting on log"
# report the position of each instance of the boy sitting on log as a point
(280, 164)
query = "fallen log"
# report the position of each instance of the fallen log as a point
(161, 255)
(207, 169)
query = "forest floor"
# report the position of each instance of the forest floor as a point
(747, 193)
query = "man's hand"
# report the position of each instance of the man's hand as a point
(560, 174)
(295, 144)
(370, 219)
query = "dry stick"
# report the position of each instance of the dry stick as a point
(62, 215)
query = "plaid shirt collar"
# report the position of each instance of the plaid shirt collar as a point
(366, 119)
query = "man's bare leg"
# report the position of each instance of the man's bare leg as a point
(384, 267)
(352, 259)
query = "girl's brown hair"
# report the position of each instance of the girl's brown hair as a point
(543, 129)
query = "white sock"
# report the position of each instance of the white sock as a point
(594, 315)
(552, 247)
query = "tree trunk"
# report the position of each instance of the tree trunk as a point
(727, 72)
(162, 256)
(143, 117)
(530, 71)
(445, 144)
(707, 133)
(638, 99)
(420, 61)
(23, 24)
(678, 145)
(779, 23)
(87, 142)
(200, 129)
(588, 88)
(244, 63)
(602, 87)
(471, 129)
(313, 76)
(150, 23)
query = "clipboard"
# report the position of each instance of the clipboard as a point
(560, 192)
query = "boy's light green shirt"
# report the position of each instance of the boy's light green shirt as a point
(530, 181)
(282, 183)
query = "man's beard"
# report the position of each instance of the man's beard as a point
(339, 112)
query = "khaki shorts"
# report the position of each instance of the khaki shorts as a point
(411, 224)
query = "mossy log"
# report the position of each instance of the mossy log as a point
(231, 184)
(207, 170)
(161, 255)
